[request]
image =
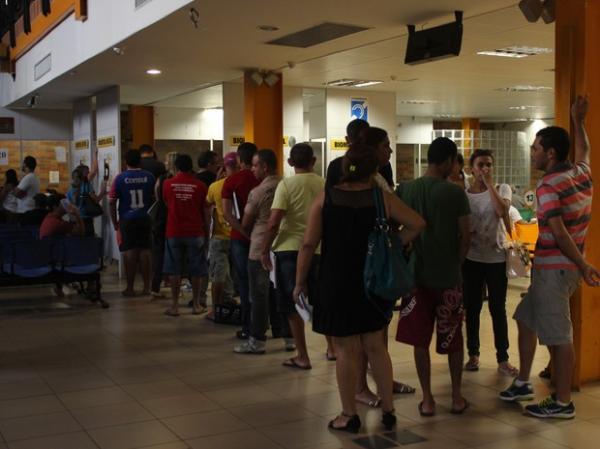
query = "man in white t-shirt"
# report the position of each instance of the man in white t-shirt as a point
(485, 264)
(28, 187)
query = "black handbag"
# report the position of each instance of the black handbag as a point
(90, 207)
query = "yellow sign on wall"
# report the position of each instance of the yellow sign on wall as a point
(235, 140)
(83, 144)
(104, 142)
(339, 144)
(286, 141)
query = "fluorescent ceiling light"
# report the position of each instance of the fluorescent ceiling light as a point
(447, 115)
(524, 88)
(153, 71)
(367, 83)
(516, 51)
(522, 108)
(418, 101)
(346, 82)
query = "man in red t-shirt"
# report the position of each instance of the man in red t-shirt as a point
(187, 231)
(54, 225)
(235, 193)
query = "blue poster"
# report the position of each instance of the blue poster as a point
(359, 108)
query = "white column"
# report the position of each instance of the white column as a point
(83, 137)
(108, 126)
(233, 114)
(293, 122)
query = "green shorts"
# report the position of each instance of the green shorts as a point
(218, 258)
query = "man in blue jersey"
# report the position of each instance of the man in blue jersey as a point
(133, 190)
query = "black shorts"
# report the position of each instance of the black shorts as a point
(135, 234)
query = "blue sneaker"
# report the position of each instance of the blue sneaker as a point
(549, 408)
(515, 393)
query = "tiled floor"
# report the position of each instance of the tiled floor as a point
(129, 377)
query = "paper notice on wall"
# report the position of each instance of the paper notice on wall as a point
(54, 177)
(61, 154)
(3, 156)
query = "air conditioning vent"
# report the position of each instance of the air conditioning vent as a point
(42, 67)
(318, 34)
(140, 3)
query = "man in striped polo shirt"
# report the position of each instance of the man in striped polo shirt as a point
(564, 198)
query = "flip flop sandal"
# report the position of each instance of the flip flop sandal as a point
(373, 403)
(460, 411)
(169, 312)
(292, 363)
(424, 413)
(330, 358)
(472, 366)
(400, 388)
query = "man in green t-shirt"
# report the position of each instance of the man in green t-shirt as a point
(437, 257)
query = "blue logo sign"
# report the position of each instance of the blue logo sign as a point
(359, 108)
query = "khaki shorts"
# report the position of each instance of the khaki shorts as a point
(545, 308)
(218, 257)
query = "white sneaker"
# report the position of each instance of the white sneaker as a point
(290, 345)
(250, 346)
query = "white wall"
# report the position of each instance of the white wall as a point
(233, 113)
(381, 113)
(83, 129)
(73, 42)
(188, 123)
(39, 124)
(293, 121)
(414, 129)
(317, 122)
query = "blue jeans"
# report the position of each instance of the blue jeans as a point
(239, 253)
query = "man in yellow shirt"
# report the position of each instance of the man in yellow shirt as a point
(218, 251)
(284, 236)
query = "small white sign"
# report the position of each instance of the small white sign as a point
(61, 154)
(3, 156)
(54, 177)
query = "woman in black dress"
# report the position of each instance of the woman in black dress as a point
(341, 218)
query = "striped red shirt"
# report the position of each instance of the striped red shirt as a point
(565, 191)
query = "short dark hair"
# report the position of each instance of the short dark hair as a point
(133, 158)
(246, 152)
(557, 138)
(461, 159)
(355, 128)
(183, 163)
(40, 200)
(480, 153)
(145, 149)
(440, 150)
(30, 162)
(206, 157)
(268, 157)
(302, 155)
(11, 176)
(359, 163)
(373, 136)
(53, 201)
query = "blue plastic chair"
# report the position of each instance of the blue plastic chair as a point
(81, 255)
(31, 258)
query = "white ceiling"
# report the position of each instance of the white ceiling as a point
(228, 41)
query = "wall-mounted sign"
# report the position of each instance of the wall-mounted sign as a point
(83, 144)
(7, 125)
(359, 108)
(530, 198)
(235, 140)
(54, 177)
(3, 156)
(61, 154)
(104, 142)
(339, 144)
(286, 141)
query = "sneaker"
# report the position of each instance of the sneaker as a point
(515, 393)
(251, 346)
(242, 335)
(289, 344)
(549, 408)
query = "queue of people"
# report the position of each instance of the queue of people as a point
(295, 249)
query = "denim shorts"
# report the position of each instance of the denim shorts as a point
(185, 256)
(218, 257)
(285, 270)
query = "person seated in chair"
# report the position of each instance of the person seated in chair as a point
(55, 225)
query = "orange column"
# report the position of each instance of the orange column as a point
(577, 67)
(468, 125)
(141, 124)
(263, 115)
